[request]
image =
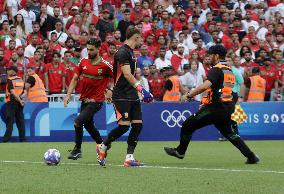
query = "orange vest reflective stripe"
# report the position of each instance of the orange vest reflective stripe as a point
(37, 92)
(226, 90)
(257, 89)
(18, 85)
(173, 94)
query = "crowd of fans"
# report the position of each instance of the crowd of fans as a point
(52, 37)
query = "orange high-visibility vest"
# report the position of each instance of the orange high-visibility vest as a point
(226, 90)
(257, 89)
(18, 85)
(37, 92)
(173, 94)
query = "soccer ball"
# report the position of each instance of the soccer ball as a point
(52, 157)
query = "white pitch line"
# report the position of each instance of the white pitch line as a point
(155, 167)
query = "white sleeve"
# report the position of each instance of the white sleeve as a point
(27, 52)
(9, 3)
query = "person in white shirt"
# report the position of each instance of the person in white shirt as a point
(12, 6)
(96, 5)
(28, 15)
(172, 50)
(262, 30)
(161, 61)
(31, 48)
(241, 4)
(61, 36)
(142, 80)
(193, 79)
(249, 22)
(12, 36)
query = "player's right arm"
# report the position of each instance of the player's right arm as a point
(128, 75)
(73, 83)
(71, 88)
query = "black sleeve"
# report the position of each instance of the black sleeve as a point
(31, 80)
(98, 26)
(10, 85)
(123, 58)
(214, 75)
(247, 82)
(169, 85)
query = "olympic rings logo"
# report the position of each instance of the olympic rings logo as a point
(175, 118)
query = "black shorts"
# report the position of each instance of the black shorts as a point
(127, 110)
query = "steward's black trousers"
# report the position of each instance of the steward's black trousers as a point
(218, 115)
(14, 111)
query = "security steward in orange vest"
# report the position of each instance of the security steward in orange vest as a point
(172, 87)
(34, 87)
(216, 108)
(14, 104)
(256, 85)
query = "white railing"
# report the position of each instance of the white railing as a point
(60, 97)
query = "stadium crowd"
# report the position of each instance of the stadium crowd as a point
(51, 36)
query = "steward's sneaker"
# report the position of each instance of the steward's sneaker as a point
(132, 163)
(253, 160)
(101, 155)
(173, 152)
(75, 154)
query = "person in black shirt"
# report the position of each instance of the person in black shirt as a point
(216, 107)
(104, 25)
(126, 100)
(14, 105)
(124, 24)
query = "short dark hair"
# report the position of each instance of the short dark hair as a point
(53, 33)
(111, 44)
(95, 42)
(126, 11)
(68, 52)
(56, 53)
(131, 31)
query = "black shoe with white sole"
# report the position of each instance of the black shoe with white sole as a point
(75, 154)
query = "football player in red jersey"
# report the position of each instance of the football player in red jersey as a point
(95, 72)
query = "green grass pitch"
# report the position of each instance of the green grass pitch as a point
(209, 167)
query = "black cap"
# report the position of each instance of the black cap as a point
(267, 58)
(255, 70)
(218, 49)
(94, 41)
(14, 68)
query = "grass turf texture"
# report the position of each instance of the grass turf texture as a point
(83, 178)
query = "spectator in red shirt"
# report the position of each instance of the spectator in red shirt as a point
(69, 68)
(10, 49)
(109, 56)
(48, 51)
(278, 63)
(54, 44)
(117, 37)
(37, 63)
(14, 62)
(200, 50)
(36, 30)
(248, 64)
(55, 75)
(207, 64)
(180, 22)
(4, 33)
(136, 15)
(268, 73)
(105, 45)
(156, 84)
